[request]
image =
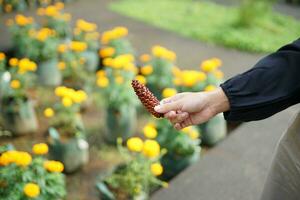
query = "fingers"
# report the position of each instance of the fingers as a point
(179, 118)
(183, 124)
(167, 107)
(172, 98)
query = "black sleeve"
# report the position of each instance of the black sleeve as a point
(272, 85)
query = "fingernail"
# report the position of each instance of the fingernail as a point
(157, 108)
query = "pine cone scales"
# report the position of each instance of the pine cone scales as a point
(146, 97)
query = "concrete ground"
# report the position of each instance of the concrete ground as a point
(235, 169)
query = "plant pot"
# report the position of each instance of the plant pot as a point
(20, 118)
(107, 194)
(48, 73)
(174, 164)
(214, 130)
(120, 123)
(91, 60)
(72, 152)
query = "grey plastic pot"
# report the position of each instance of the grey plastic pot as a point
(120, 124)
(48, 73)
(91, 60)
(19, 119)
(214, 130)
(72, 152)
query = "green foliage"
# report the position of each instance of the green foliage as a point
(121, 46)
(190, 18)
(178, 143)
(134, 176)
(13, 178)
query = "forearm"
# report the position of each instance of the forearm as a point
(271, 86)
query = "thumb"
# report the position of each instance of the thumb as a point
(167, 107)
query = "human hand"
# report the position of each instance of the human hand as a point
(192, 108)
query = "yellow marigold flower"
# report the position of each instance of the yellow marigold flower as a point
(189, 78)
(2, 56)
(156, 169)
(218, 74)
(48, 112)
(15, 84)
(13, 62)
(85, 26)
(176, 71)
(119, 80)
(51, 11)
(31, 190)
(209, 88)
(145, 58)
(8, 8)
(60, 91)
(208, 65)
(165, 184)
(44, 33)
(101, 73)
(23, 159)
(146, 70)
(217, 61)
(53, 166)
(161, 52)
(40, 149)
(21, 20)
(151, 148)
(121, 31)
(61, 65)
(141, 79)
(150, 131)
(194, 134)
(187, 129)
(135, 144)
(107, 52)
(168, 92)
(67, 102)
(78, 46)
(108, 62)
(103, 82)
(8, 157)
(59, 5)
(62, 48)
(79, 96)
(201, 76)
(177, 81)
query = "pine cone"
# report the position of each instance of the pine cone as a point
(146, 97)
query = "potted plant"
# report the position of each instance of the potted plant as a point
(21, 28)
(66, 133)
(87, 32)
(182, 146)
(17, 112)
(54, 18)
(23, 176)
(119, 98)
(137, 176)
(158, 69)
(215, 129)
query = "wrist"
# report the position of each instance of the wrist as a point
(218, 101)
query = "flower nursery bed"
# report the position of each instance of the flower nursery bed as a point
(66, 96)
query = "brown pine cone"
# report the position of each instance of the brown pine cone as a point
(146, 97)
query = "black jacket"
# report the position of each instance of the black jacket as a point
(272, 85)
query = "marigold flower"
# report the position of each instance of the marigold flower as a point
(23, 159)
(59, 5)
(108, 62)
(209, 88)
(150, 131)
(103, 82)
(2, 56)
(78, 46)
(119, 79)
(51, 11)
(8, 8)
(53, 166)
(79, 96)
(101, 73)
(13, 62)
(141, 79)
(48, 112)
(194, 134)
(135, 144)
(15, 84)
(147, 70)
(218, 74)
(62, 48)
(61, 65)
(60, 91)
(151, 148)
(210, 65)
(21, 20)
(145, 58)
(107, 52)
(161, 52)
(85, 26)
(67, 102)
(168, 92)
(31, 190)
(156, 169)
(40, 149)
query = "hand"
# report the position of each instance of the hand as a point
(192, 108)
